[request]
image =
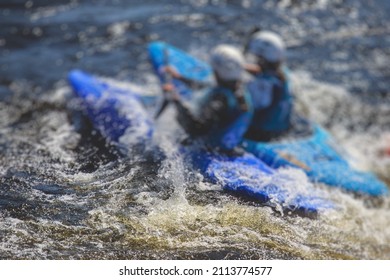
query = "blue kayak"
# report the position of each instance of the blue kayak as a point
(321, 162)
(113, 111)
(119, 114)
(314, 154)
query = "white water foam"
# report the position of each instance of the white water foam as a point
(335, 107)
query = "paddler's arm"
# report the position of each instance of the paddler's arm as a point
(176, 75)
(194, 125)
(252, 69)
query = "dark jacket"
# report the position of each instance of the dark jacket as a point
(222, 117)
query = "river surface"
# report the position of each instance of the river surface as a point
(65, 193)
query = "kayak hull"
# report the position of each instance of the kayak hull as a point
(320, 161)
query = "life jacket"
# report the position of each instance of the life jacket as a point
(229, 136)
(272, 101)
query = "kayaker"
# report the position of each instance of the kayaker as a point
(270, 91)
(222, 117)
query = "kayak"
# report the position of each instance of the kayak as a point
(321, 162)
(315, 153)
(114, 112)
(119, 115)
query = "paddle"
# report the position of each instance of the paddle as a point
(167, 79)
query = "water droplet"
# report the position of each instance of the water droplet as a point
(29, 4)
(37, 31)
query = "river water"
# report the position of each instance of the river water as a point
(67, 194)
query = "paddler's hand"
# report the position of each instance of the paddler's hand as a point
(168, 87)
(171, 71)
(172, 94)
(252, 69)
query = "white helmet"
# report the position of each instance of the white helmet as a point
(268, 45)
(228, 62)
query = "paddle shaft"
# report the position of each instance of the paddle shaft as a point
(167, 79)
